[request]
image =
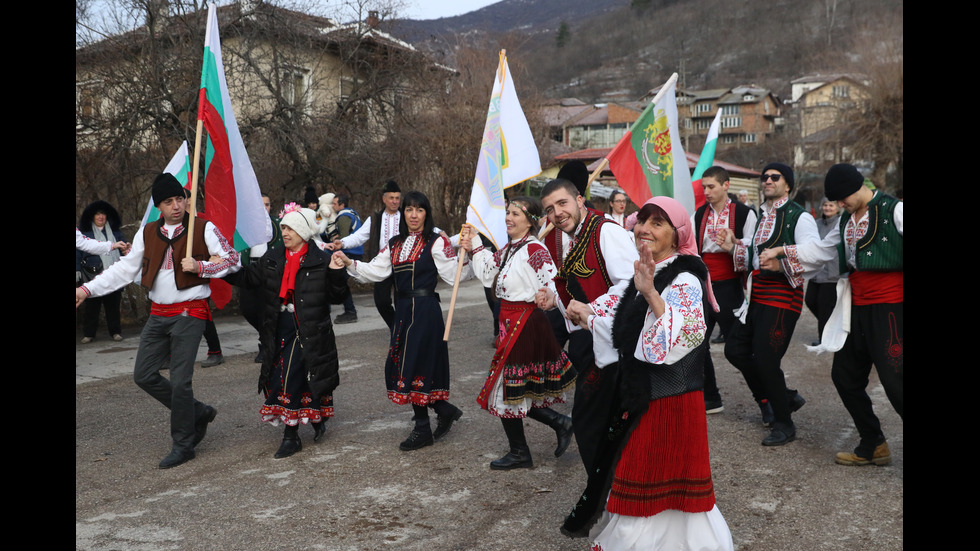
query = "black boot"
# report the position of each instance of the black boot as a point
(446, 415)
(290, 443)
(519, 456)
(561, 423)
(319, 429)
(421, 435)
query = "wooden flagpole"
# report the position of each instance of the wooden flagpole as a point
(192, 208)
(595, 174)
(452, 301)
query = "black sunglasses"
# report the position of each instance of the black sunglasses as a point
(775, 177)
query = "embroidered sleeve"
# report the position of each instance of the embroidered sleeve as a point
(679, 330)
(447, 248)
(740, 256)
(120, 273)
(446, 264)
(539, 259)
(485, 265)
(372, 272)
(218, 245)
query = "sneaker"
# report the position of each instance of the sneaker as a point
(213, 360)
(346, 317)
(86, 340)
(720, 339)
(117, 337)
(713, 406)
(882, 456)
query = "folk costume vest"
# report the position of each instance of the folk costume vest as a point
(738, 213)
(881, 248)
(879, 255)
(773, 288)
(156, 245)
(582, 274)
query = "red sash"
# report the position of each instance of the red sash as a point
(877, 288)
(195, 308)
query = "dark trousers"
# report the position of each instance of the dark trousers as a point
(177, 337)
(877, 337)
(211, 336)
(730, 296)
(757, 348)
(349, 301)
(594, 388)
(110, 303)
(382, 301)
(820, 299)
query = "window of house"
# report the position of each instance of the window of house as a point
(729, 110)
(88, 103)
(295, 85)
(728, 138)
(731, 122)
(702, 108)
(842, 91)
(748, 138)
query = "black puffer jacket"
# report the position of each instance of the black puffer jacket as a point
(317, 286)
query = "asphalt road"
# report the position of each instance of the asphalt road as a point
(355, 490)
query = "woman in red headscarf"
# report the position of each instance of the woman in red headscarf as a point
(653, 484)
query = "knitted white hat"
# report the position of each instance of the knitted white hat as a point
(302, 221)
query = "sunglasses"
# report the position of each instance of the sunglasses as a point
(775, 177)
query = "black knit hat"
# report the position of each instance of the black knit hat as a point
(310, 196)
(166, 186)
(785, 170)
(391, 186)
(842, 181)
(577, 173)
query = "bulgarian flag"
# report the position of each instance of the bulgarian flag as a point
(232, 199)
(706, 160)
(180, 167)
(649, 160)
(508, 156)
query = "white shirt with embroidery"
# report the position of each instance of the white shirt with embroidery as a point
(380, 268)
(805, 232)
(810, 257)
(91, 246)
(715, 221)
(665, 339)
(526, 271)
(389, 229)
(164, 289)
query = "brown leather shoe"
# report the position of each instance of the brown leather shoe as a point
(882, 456)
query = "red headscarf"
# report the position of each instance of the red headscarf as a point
(686, 243)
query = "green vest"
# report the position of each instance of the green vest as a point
(783, 231)
(881, 249)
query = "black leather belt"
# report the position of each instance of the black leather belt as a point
(417, 293)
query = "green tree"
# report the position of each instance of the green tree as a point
(563, 34)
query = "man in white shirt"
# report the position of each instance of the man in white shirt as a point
(178, 311)
(377, 230)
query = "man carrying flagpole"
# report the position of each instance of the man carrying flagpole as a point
(178, 311)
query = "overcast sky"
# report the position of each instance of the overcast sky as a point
(434, 9)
